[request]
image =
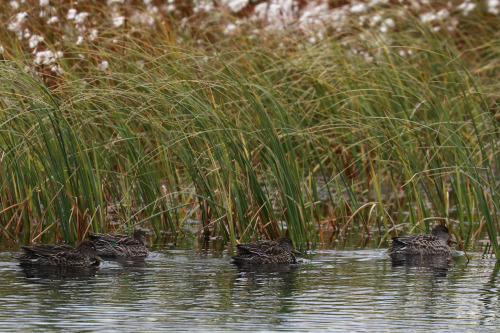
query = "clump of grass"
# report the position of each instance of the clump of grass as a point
(252, 137)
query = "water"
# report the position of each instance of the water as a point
(189, 290)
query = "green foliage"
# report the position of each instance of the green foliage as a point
(252, 141)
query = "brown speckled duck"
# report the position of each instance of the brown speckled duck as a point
(435, 243)
(120, 246)
(60, 255)
(266, 252)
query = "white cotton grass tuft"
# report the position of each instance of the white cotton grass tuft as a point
(52, 20)
(103, 65)
(235, 5)
(93, 34)
(80, 17)
(277, 13)
(390, 22)
(57, 69)
(428, 17)
(118, 20)
(358, 8)
(34, 41)
(493, 6)
(17, 22)
(44, 3)
(230, 28)
(71, 14)
(467, 7)
(143, 18)
(203, 5)
(47, 57)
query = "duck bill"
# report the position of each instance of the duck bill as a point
(97, 261)
(296, 252)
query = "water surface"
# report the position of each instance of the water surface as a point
(189, 290)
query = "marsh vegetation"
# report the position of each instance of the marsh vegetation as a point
(222, 120)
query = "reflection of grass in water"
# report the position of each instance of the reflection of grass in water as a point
(247, 138)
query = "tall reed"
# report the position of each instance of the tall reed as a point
(253, 140)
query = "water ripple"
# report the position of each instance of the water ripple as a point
(183, 290)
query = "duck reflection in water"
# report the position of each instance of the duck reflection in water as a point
(266, 270)
(131, 262)
(55, 273)
(435, 262)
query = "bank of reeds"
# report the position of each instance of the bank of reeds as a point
(244, 140)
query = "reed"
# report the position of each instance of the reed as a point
(246, 138)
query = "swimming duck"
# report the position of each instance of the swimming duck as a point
(434, 243)
(120, 246)
(266, 252)
(60, 255)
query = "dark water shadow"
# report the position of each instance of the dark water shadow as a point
(437, 264)
(58, 273)
(137, 262)
(270, 269)
(276, 284)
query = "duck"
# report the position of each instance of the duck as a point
(266, 252)
(435, 243)
(120, 246)
(60, 255)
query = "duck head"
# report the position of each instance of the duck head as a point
(140, 235)
(89, 250)
(287, 244)
(441, 232)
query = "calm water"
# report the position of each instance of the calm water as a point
(188, 290)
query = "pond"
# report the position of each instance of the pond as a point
(193, 290)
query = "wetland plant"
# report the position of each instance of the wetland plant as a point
(255, 126)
